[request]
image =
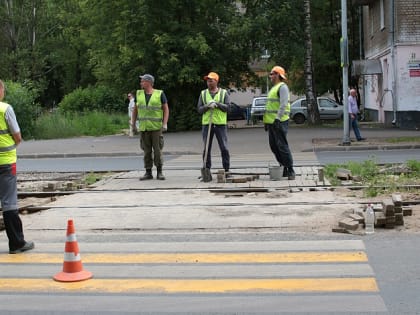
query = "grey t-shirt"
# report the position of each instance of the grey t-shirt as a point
(284, 99)
(11, 120)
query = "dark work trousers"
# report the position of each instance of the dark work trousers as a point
(14, 229)
(151, 142)
(277, 138)
(221, 135)
(8, 197)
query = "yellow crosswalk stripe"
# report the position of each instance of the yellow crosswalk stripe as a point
(208, 258)
(192, 285)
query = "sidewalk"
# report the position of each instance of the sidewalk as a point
(242, 140)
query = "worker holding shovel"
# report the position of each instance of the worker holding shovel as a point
(213, 104)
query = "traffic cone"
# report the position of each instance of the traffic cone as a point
(72, 266)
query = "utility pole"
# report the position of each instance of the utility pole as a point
(345, 66)
(265, 56)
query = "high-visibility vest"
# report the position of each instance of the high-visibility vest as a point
(273, 105)
(7, 143)
(150, 115)
(219, 116)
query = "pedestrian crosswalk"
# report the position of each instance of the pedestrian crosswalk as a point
(201, 277)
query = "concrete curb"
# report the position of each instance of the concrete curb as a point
(364, 148)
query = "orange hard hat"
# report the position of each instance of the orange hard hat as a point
(280, 71)
(212, 75)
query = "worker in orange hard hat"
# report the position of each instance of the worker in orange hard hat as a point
(213, 105)
(276, 120)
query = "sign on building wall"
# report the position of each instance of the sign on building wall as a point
(414, 68)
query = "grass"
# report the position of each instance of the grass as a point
(92, 178)
(57, 125)
(378, 179)
(403, 139)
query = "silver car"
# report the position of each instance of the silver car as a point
(258, 107)
(328, 110)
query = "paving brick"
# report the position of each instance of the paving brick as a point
(357, 217)
(380, 219)
(349, 224)
(221, 178)
(50, 187)
(397, 209)
(388, 207)
(339, 229)
(397, 199)
(239, 180)
(399, 219)
(377, 207)
(407, 210)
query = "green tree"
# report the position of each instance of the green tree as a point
(24, 105)
(56, 47)
(179, 45)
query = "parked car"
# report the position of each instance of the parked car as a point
(328, 110)
(258, 107)
(236, 112)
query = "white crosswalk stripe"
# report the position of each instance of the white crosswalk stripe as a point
(197, 277)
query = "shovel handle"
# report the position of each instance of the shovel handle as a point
(206, 149)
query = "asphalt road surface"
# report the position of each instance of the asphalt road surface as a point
(129, 163)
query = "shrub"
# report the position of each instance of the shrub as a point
(22, 100)
(98, 98)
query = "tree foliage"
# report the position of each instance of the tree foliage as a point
(98, 98)
(22, 99)
(62, 46)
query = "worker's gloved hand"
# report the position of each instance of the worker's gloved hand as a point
(212, 105)
(266, 127)
(165, 127)
(277, 124)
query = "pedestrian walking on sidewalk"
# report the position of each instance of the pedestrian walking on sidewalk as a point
(131, 105)
(10, 137)
(153, 112)
(215, 101)
(276, 120)
(353, 111)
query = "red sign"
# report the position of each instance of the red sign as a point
(414, 72)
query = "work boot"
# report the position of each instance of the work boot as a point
(147, 175)
(290, 173)
(285, 172)
(160, 175)
(24, 248)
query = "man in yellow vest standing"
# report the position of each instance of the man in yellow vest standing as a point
(153, 112)
(10, 137)
(217, 100)
(276, 120)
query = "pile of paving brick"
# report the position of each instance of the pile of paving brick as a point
(226, 177)
(388, 214)
(68, 186)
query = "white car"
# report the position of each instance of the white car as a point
(328, 110)
(258, 107)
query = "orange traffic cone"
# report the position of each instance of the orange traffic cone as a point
(72, 266)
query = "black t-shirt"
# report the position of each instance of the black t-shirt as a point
(163, 98)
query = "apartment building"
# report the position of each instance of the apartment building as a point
(390, 71)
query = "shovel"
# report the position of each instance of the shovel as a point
(205, 172)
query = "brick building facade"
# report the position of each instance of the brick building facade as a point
(391, 40)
